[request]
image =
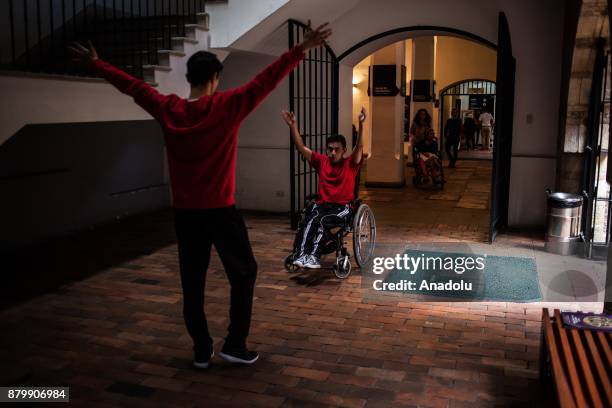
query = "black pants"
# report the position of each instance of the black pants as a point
(452, 146)
(469, 141)
(196, 232)
(322, 216)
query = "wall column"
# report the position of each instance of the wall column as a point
(423, 63)
(386, 164)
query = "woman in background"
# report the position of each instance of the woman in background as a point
(421, 126)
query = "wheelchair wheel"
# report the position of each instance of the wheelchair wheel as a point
(342, 267)
(289, 266)
(364, 235)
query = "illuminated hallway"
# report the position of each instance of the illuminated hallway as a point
(459, 211)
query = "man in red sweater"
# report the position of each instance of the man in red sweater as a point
(201, 135)
(337, 172)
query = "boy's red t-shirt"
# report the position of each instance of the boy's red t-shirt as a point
(336, 181)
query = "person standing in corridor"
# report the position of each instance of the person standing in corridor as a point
(486, 122)
(452, 137)
(469, 128)
(201, 135)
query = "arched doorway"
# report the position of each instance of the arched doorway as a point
(503, 106)
(468, 96)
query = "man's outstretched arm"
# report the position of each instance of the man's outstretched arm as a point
(246, 98)
(295, 135)
(144, 95)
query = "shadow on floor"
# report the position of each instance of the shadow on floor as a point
(44, 267)
(316, 277)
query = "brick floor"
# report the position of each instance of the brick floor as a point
(114, 333)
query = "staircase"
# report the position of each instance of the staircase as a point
(149, 39)
(141, 37)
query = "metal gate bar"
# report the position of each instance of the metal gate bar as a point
(595, 149)
(313, 97)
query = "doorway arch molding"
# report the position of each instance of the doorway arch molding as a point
(463, 81)
(504, 109)
(423, 30)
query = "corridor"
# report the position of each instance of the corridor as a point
(425, 213)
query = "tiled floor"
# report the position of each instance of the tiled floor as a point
(116, 336)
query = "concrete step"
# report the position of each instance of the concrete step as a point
(178, 43)
(203, 19)
(164, 56)
(190, 30)
(148, 71)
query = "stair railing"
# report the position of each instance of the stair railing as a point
(128, 33)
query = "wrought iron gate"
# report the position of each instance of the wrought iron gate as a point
(596, 191)
(313, 97)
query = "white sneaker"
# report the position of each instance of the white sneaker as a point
(312, 262)
(300, 261)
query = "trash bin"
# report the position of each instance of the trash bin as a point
(564, 222)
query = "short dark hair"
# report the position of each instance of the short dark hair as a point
(336, 138)
(201, 67)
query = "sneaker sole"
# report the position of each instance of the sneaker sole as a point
(312, 266)
(232, 359)
(203, 365)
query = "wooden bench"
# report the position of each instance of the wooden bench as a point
(579, 363)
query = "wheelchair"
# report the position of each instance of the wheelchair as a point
(360, 222)
(419, 177)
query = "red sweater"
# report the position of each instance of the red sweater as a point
(202, 135)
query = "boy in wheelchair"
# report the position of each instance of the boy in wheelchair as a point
(427, 161)
(337, 170)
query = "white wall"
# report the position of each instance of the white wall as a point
(458, 59)
(230, 21)
(345, 100)
(262, 171)
(30, 100)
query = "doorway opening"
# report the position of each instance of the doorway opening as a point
(463, 203)
(337, 80)
(470, 98)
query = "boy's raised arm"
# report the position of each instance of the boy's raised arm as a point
(357, 153)
(289, 118)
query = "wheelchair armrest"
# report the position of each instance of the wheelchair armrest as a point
(309, 201)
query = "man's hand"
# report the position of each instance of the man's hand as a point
(315, 38)
(289, 118)
(83, 55)
(362, 115)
